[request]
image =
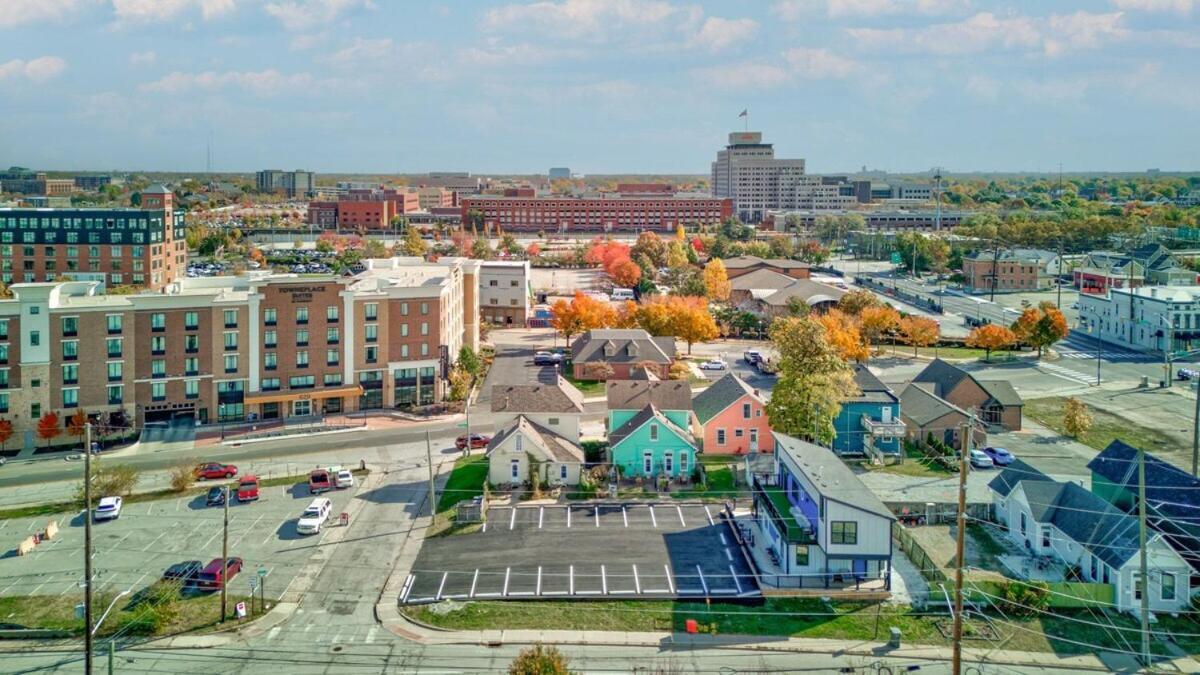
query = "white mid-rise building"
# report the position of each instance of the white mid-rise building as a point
(1146, 318)
(748, 172)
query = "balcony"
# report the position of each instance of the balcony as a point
(895, 427)
(780, 509)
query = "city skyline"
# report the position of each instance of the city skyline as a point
(620, 87)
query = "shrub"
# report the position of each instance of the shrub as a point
(183, 476)
(110, 481)
(539, 660)
(593, 451)
(1023, 598)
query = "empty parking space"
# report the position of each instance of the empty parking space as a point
(132, 551)
(586, 550)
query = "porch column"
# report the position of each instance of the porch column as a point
(887, 580)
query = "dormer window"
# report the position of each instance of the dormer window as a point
(610, 349)
(632, 349)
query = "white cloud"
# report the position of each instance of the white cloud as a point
(300, 15)
(143, 58)
(150, 11)
(36, 70)
(588, 19)
(363, 51)
(17, 12)
(716, 33)
(500, 55)
(794, 10)
(261, 83)
(745, 75)
(985, 31)
(1177, 6)
(820, 63)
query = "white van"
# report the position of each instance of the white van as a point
(314, 516)
(622, 294)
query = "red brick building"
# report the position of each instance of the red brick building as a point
(609, 213)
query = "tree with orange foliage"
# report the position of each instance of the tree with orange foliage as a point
(77, 424)
(533, 250)
(626, 273)
(654, 315)
(843, 335)
(48, 428)
(691, 321)
(919, 331)
(1041, 326)
(6, 432)
(626, 315)
(991, 336)
(876, 321)
(581, 314)
(854, 302)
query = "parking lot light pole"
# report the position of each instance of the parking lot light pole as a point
(87, 549)
(225, 558)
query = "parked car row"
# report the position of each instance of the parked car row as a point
(191, 574)
(990, 457)
(325, 479)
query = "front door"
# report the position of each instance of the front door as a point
(301, 408)
(647, 462)
(669, 464)
(754, 440)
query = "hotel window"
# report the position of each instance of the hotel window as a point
(158, 321)
(116, 394)
(191, 320)
(371, 311)
(158, 368)
(70, 374)
(331, 314)
(70, 348)
(269, 316)
(302, 358)
(424, 307)
(270, 360)
(231, 340)
(332, 336)
(372, 332)
(114, 323)
(3, 378)
(403, 330)
(4, 329)
(191, 343)
(404, 309)
(301, 315)
(424, 328)
(331, 357)
(333, 379)
(158, 345)
(113, 346)
(302, 337)
(270, 384)
(70, 398)
(70, 326)
(404, 351)
(231, 363)
(302, 382)
(115, 371)
(424, 349)
(372, 354)
(158, 391)
(231, 318)
(191, 388)
(270, 338)
(191, 366)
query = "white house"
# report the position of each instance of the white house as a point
(522, 442)
(826, 527)
(1067, 522)
(556, 406)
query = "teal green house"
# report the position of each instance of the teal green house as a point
(648, 423)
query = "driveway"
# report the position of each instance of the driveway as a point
(513, 365)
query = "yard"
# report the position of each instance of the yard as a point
(982, 550)
(587, 387)
(465, 482)
(1106, 427)
(916, 467)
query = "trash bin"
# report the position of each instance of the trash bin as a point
(894, 642)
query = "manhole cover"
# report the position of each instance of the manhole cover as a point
(336, 649)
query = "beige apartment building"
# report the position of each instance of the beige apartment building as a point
(232, 349)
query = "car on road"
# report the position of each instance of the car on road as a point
(216, 496)
(980, 460)
(1073, 305)
(248, 488)
(214, 575)
(999, 456)
(713, 364)
(109, 508)
(183, 572)
(319, 481)
(344, 479)
(752, 356)
(314, 516)
(546, 358)
(1187, 374)
(215, 470)
(477, 441)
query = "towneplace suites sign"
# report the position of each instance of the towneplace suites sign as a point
(301, 293)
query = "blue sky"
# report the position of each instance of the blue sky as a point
(601, 86)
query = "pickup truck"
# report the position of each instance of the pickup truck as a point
(752, 356)
(766, 366)
(320, 481)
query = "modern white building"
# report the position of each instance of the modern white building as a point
(747, 172)
(1146, 318)
(504, 292)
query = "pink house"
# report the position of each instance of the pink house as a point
(731, 419)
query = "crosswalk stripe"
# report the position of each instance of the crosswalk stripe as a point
(1067, 373)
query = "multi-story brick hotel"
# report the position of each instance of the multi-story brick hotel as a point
(257, 346)
(118, 247)
(632, 209)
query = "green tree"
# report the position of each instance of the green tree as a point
(413, 244)
(469, 361)
(813, 380)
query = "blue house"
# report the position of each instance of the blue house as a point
(649, 426)
(870, 422)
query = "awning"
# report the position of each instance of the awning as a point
(313, 395)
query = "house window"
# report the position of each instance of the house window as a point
(720, 437)
(1137, 586)
(1168, 586)
(515, 468)
(1045, 537)
(746, 411)
(683, 463)
(669, 463)
(562, 471)
(737, 433)
(843, 532)
(801, 556)
(552, 421)
(1022, 524)
(654, 432)
(647, 462)
(518, 443)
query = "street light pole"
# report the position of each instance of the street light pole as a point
(87, 550)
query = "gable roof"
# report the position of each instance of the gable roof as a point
(1171, 491)
(643, 374)
(744, 261)
(1107, 532)
(870, 388)
(560, 397)
(1014, 473)
(590, 346)
(811, 292)
(943, 376)
(922, 406)
(760, 279)
(720, 395)
(831, 477)
(1002, 392)
(618, 435)
(551, 446)
(637, 394)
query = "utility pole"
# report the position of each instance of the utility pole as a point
(960, 544)
(1058, 277)
(995, 264)
(225, 559)
(1196, 435)
(937, 216)
(429, 458)
(1144, 582)
(87, 549)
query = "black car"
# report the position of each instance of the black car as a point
(216, 496)
(183, 572)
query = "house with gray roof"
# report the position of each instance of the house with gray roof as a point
(746, 264)
(556, 406)
(767, 293)
(925, 415)
(994, 402)
(729, 417)
(1065, 521)
(869, 422)
(826, 528)
(523, 446)
(617, 354)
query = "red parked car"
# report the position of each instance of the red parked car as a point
(215, 470)
(477, 441)
(211, 577)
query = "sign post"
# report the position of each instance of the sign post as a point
(262, 587)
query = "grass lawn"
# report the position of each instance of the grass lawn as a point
(466, 481)
(721, 484)
(1106, 426)
(588, 387)
(918, 467)
(946, 352)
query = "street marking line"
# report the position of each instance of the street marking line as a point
(117, 546)
(512, 520)
(151, 544)
(406, 588)
(624, 515)
(653, 520)
(703, 582)
(679, 510)
(488, 595)
(441, 586)
(670, 581)
(709, 514)
(729, 555)
(484, 528)
(568, 516)
(736, 583)
(723, 541)
(637, 583)
(507, 571)
(603, 580)
(474, 580)
(597, 512)
(5, 524)
(571, 578)
(541, 516)
(539, 581)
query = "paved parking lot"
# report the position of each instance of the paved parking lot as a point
(602, 550)
(132, 551)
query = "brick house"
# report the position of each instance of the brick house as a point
(624, 351)
(995, 402)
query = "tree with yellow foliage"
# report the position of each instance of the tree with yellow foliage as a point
(919, 331)
(581, 314)
(691, 321)
(842, 333)
(876, 321)
(716, 281)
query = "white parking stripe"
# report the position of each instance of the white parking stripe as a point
(637, 583)
(474, 580)
(703, 583)
(736, 582)
(541, 516)
(709, 514)
(442, 586)
(729, 555)
(134, 584)
(653, 520)
(512, 520)
(597, 512)
(571, 578)
(568, 516)
(507, 571)
(670, 581)
(624, 515)
(603, 581)
(152, 543)
(679, 510)
(722, 536)
(248, 530)
(539, 581)
(404, 591)
(117, 546)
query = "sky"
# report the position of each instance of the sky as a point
(600, 86)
